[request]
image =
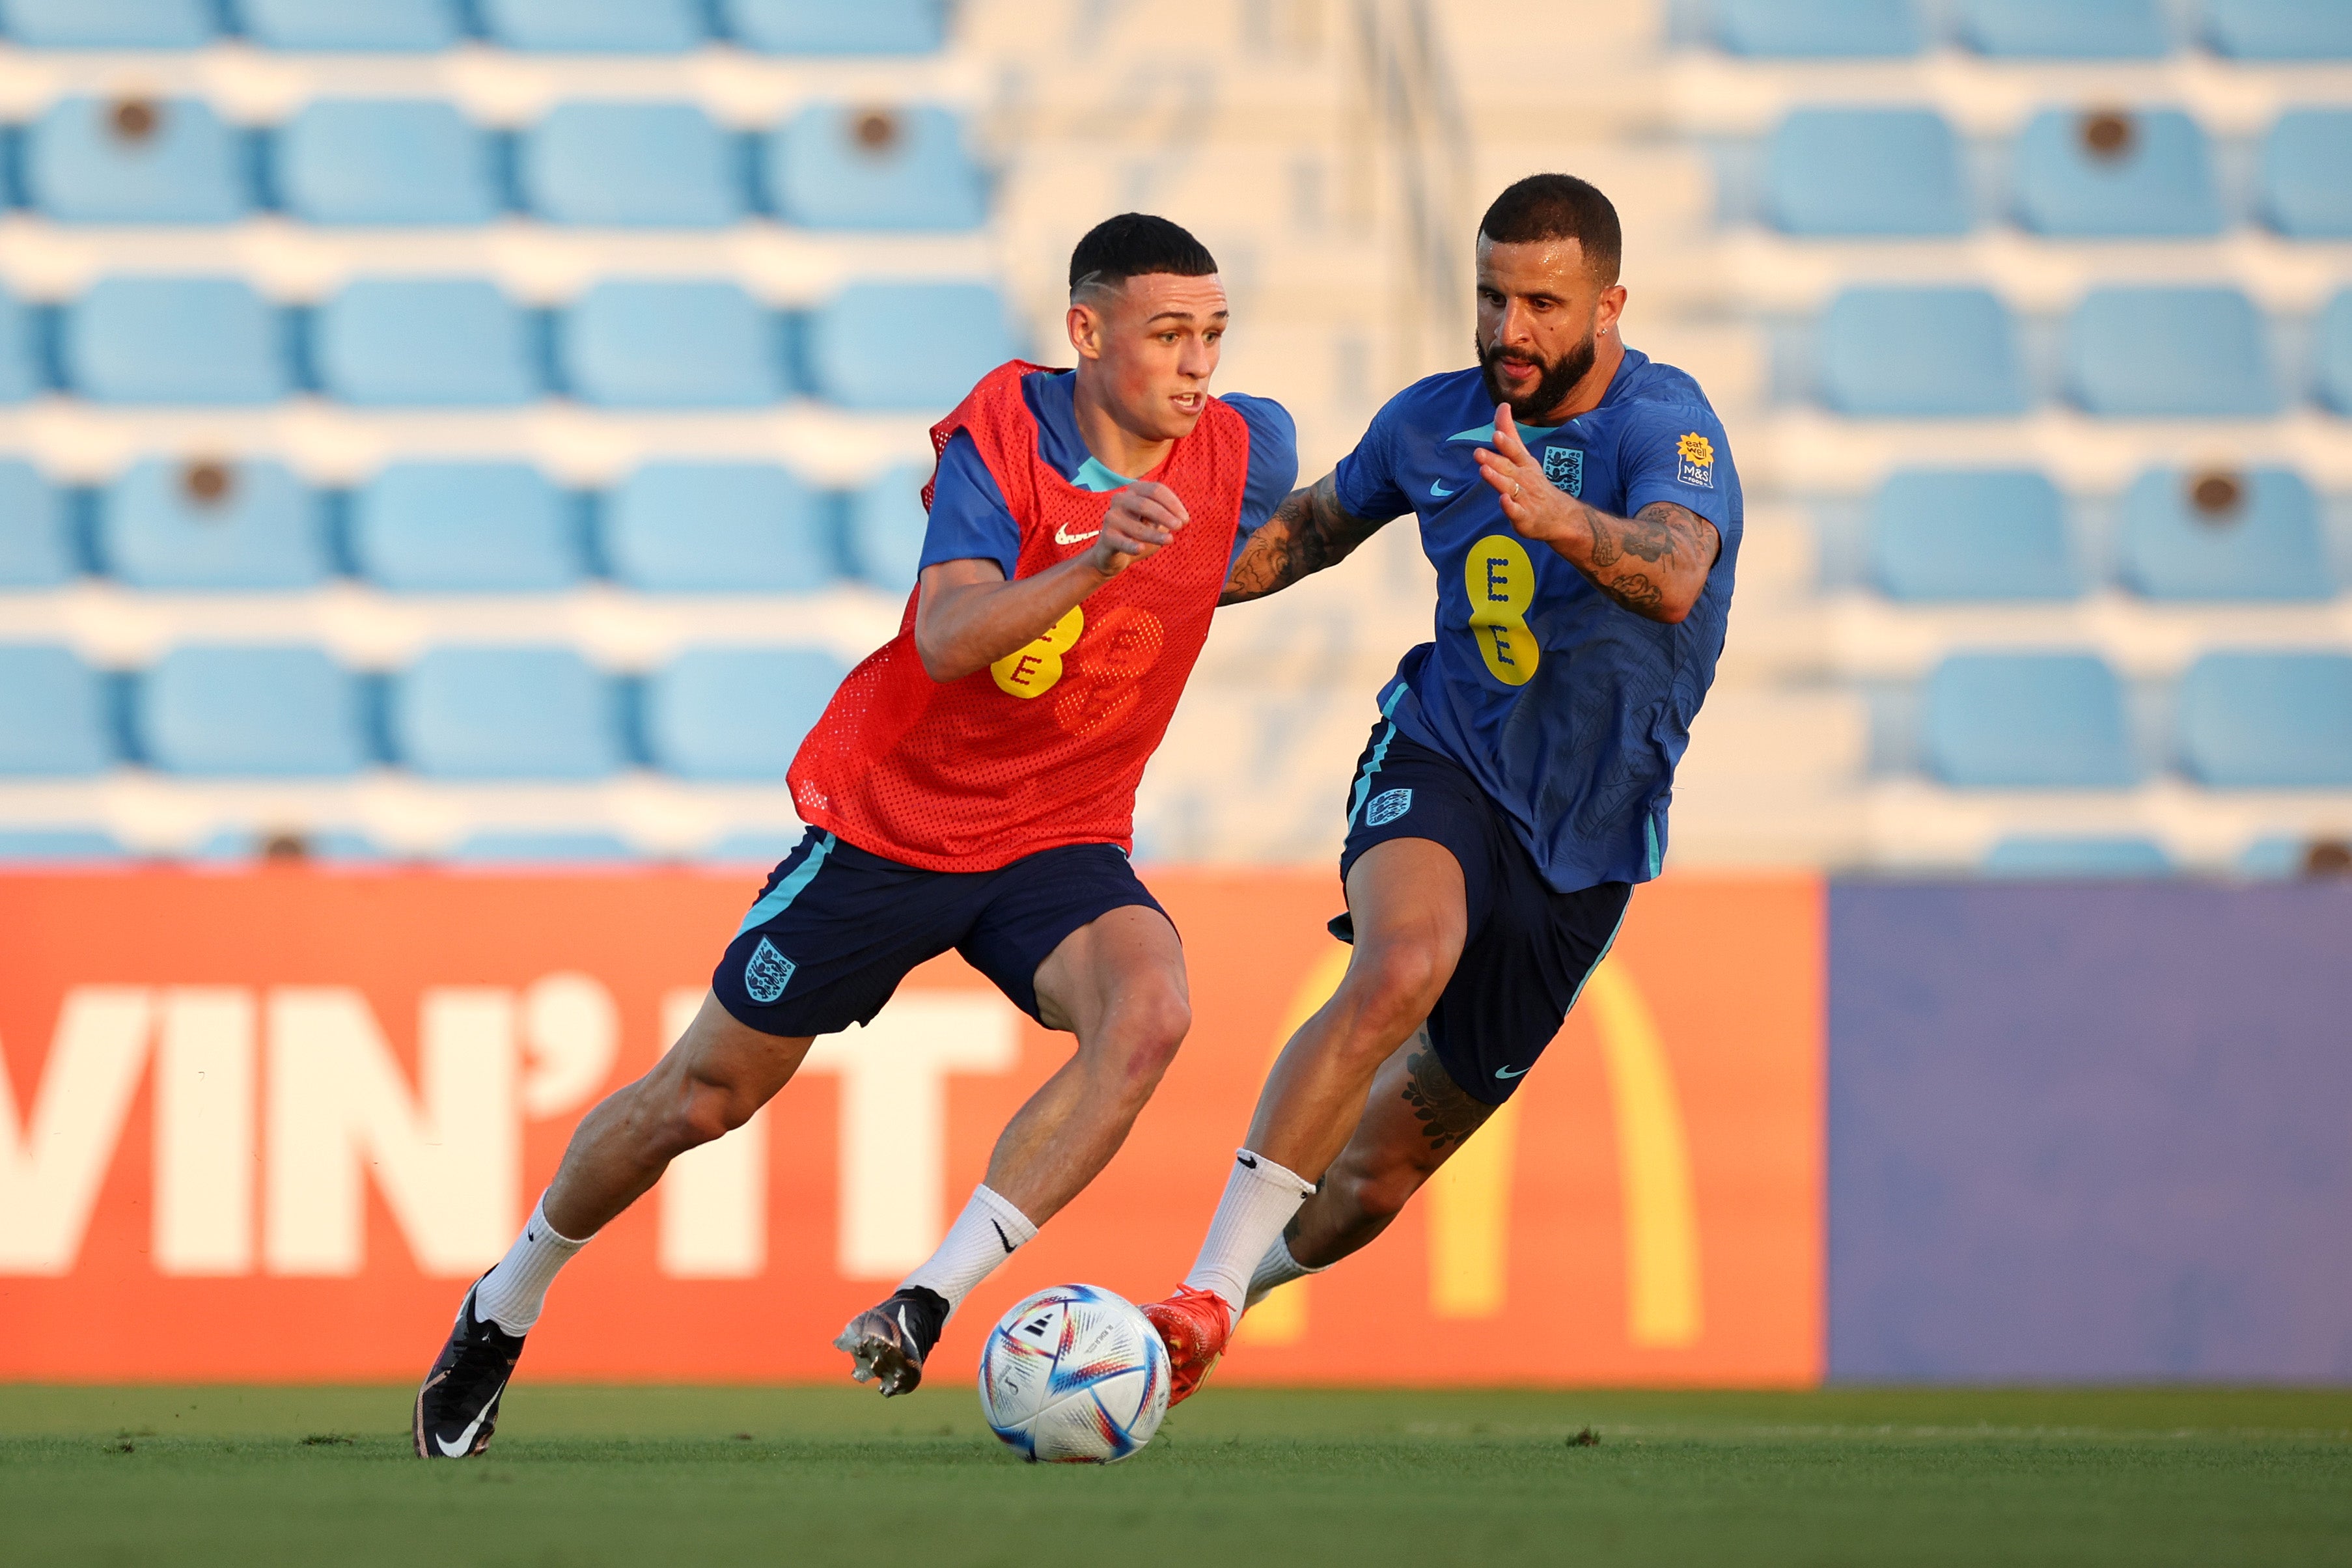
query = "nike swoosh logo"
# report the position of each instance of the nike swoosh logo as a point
(465, 1438)
(1062, 535)
(1508, 1072)
(1437, 489)
(1249, 1160)
(1000, 1237)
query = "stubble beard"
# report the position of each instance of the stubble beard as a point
(1559, 378)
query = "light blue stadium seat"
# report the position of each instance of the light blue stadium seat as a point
(595, 26)
(2029, 856)
(917, 346)
(751, 846)
(193, 340)
(387, 161)
(502, 847)
(1820, 28)
(830, 28)
(1973, 533)
(2257, 720)
(54, 719)
(736, 712)
(322, 846)
(717, 527)
(2184, 353)
(110, 24)
(648, 344)
(2067, 29)
(405, 26)
(2028, 721)
(831, 167)
(90, 160)
(426, 343)
(887, 524)
(251, 712)
(1865, 172)
(36, 542)
(1920, 353)
(2280, 30)
(634, 165)
(203, 526)
(23, 371)
(2148, 174)
(506, 713)
(59, 846)
(2259, 537)
(2335, 347)
(2305, 192)
(466, 527)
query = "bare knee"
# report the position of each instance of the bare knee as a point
(1390, 990)
(700, 1111)
(1143, 1037)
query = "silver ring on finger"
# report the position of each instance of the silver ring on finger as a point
(1515, 490)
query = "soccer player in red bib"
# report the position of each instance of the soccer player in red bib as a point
(971, 786)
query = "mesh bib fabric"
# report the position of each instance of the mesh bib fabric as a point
(1045, 746)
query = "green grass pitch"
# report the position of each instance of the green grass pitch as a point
(820, 1477)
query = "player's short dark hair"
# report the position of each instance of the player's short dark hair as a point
(1559, 206)
(1131, 245)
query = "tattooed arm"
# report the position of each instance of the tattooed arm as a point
(1309, 531)
(1655, 564)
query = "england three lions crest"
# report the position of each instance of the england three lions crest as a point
(1564, 467)
(1698, 455)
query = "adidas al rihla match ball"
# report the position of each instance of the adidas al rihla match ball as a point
(1074, 1375)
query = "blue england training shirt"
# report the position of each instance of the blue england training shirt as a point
(1570, 710)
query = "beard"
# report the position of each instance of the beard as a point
(1557, 379)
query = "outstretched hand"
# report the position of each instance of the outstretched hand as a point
(1143, 520)
(1537, 508)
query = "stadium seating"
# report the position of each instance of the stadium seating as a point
(55, 717)
(212, 526)
(426, 342)
(466, 527)
(647, 344)
(36, 542)
(634, 165)
(2218, 536)
(387, 161)
(327, 846)
(831, 167)
(2305, 192)
(2028, 721)
(23, 372)
(917, 346)
(827, 27)
(251, 712)
(2183, 352)
(506, 713)
(193, 340)
(716, 528)
(393, 26)
(110, 24)
(2280, 30)
(2334, 352)
(594, 26)
(887, 522)
(1820, 28)
(736, 712)
(2268, 720)
(1865, 172)
(523, 846)
(751, 846)
(1972, 533)
(57, 846)
(2067, 29)
(1920, 352)
(2025, 855)
(137, 161)
(2108, 175)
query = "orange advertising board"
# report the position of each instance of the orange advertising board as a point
(265, 1125)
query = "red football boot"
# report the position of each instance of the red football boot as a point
(1195, 1325)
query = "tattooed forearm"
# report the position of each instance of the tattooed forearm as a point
(1447, 1115)
(1309, 531)
(1634, 591)
(1677, 542)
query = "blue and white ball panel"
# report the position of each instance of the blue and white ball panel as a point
(1074, 1375)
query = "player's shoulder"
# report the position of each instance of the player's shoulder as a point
(1438, 405)
(1265, 416)
(1652, 390)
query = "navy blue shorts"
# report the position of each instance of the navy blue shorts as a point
(837, 928)
(1528, 950)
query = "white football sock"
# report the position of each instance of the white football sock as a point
(1260, 1198)
(1277, 1268)
(515, 1292)
(988, 1231)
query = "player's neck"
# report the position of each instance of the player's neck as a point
(1116, 447)
(1608, 353)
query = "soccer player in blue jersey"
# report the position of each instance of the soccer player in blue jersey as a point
(1579, 502)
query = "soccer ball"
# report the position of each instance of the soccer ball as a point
(1074, 1375)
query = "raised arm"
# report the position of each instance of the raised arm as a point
(1653, 564)
(969, 616)
(1309, 531)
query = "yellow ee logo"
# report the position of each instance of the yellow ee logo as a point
(1033, 671)
(1501, 581)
